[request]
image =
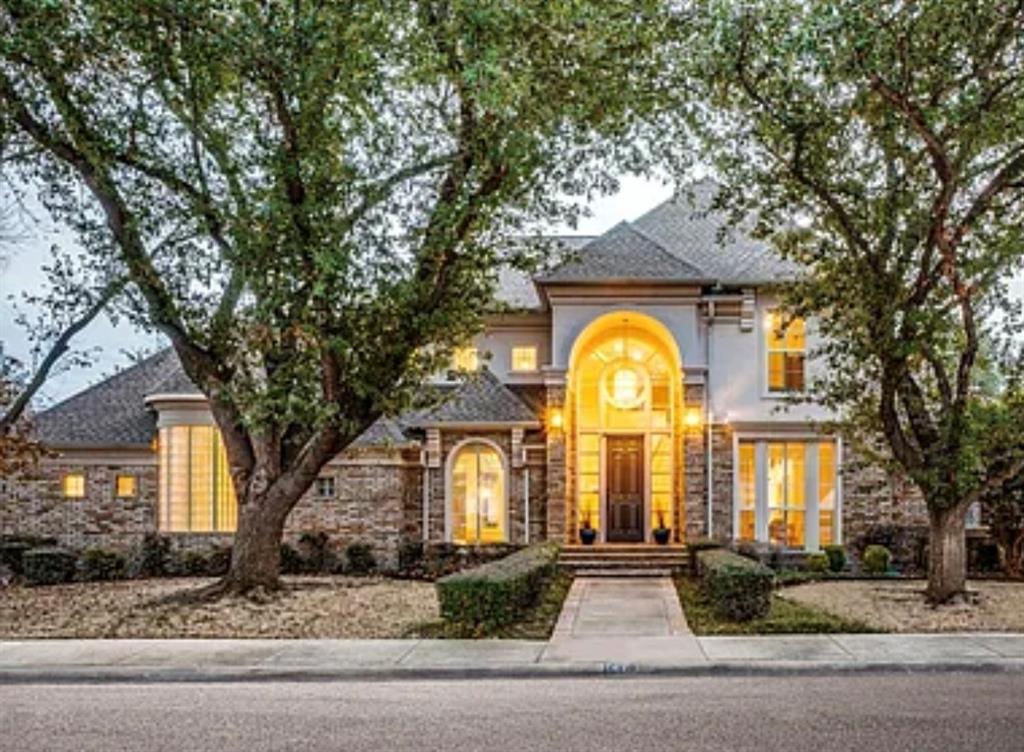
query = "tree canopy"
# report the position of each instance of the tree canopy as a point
(310, 200)
(882, 146)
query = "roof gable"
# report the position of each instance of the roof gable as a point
(480, 399)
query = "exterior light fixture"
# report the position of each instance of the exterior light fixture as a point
(555, 419)
(692, 417)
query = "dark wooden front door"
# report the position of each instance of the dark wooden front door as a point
(625, 494)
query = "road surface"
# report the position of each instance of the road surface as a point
(920, 712)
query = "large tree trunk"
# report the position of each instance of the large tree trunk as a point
(256, 552)
(947, 553)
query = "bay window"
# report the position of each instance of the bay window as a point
(196, 492)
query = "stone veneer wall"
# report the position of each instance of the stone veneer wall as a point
(695, 472)
(721, 481)
(514, 481)
(34, 504)
(873, 496)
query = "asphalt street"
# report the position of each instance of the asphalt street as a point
(920, 712)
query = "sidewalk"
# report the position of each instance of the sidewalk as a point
(255, 660)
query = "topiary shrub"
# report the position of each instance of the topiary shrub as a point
(11, 554)
(360, 558)
(152, 557)
(496, 593)
(836, 557)
(876, 560)
(739, 589)
(410, 559)
(48, 566)
(817, 563)
(99, 564)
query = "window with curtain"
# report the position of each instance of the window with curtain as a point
(786, 347)
(196, 493)
(478, 510)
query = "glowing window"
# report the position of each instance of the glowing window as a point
(748, 494)
(73, 485)
(827, 493)
(124, 486)
(196, 492)
(787, 345)
(524, 358)
(465, 359)
(478, 508)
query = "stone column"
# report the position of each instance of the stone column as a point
(695, 471)
(558, 491)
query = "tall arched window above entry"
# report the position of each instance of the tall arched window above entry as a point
(479, 497)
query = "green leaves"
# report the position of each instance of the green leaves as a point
(894, 131)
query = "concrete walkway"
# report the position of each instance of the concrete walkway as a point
(620, 621)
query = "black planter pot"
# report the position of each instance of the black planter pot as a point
(661, 535)
(587, 536)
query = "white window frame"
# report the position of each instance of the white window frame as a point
(767, 351)
(812, 512)
(329, 480)
(449, 487)
(512, 359)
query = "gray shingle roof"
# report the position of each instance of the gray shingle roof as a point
(480, 399)
(688, 227)
(114, 411)
(383, 432)
(624, 253)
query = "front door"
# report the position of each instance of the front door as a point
(625, 494)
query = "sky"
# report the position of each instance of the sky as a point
(110, 347)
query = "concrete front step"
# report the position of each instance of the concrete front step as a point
(622, 572)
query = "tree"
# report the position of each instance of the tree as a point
(308, 198)
(882, 146)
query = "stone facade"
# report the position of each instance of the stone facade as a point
(379, 492)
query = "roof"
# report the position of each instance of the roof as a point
(623, 253)
(482, 399)
(689, 227)
(113, 411)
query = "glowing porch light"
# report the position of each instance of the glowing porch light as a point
(692, 417)
(555, 419)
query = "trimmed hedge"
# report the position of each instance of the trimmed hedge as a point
(496, 593)
(99, 564)
(817, 563)
(739, 589)
(48, 566)
(360, 558)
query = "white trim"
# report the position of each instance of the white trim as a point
(812, 519)
(505, 484)
(425, 522)
(526, 504)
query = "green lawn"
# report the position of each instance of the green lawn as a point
(784, 618)
(537, 624)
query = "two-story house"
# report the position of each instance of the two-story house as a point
(642, 383)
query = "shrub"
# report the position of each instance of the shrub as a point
(694, 547)
(151, 557)
(212, 562)
(410, 559)
(496, 593)
(101, 564)
(818, 563)
(11, 554)
(360, 558)
(316, 553)
(876, 560)
(738, 588)
(291, 560)
(836, 557)
(48, 566)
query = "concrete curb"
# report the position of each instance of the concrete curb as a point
(158, 675)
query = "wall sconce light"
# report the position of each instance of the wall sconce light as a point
(555, 419)
(692, 417)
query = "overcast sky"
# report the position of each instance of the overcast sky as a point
(114, 345)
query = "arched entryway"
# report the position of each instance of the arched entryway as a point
(477, 508)
(624, 391)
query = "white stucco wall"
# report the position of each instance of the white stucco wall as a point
(738, 379)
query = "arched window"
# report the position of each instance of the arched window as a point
(479, 498)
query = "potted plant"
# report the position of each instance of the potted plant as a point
(661, 533)
(587, 533)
